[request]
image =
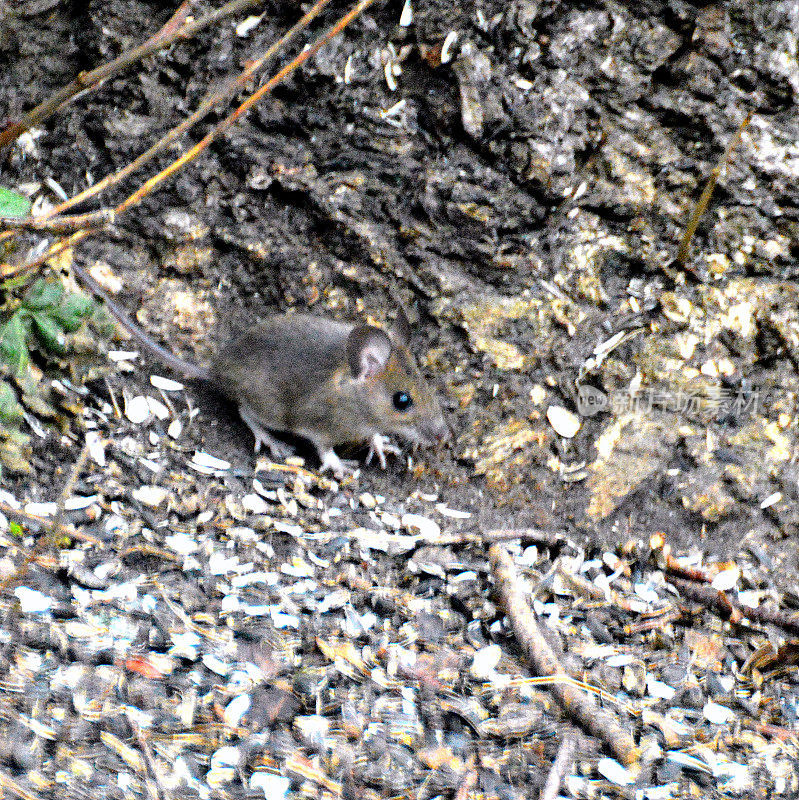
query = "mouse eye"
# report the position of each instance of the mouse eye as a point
(402, 401)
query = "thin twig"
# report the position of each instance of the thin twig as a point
(658, 621)
(673, 567)
(298, 764)
(43, 522)
(67, 224)
(51, 252)
(531, 535)
(707, 193)
(154, 786)
(723, 605)
(579, 706)
(561, 767)
(55, 526)
(212, 636)
(86, 80)
(14, 789)
(47, 222)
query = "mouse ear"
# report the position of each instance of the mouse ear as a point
(368, 350)
(402, 329)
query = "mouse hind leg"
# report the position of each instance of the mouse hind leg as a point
(277, 449)
(329, 461)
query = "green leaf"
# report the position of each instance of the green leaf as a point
(49, 332)
(43, 294)
(73, 311)
(14, 344)
(13, 204)
(15, 529)
(10, 409)
(14, 283)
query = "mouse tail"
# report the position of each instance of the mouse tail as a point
(167, 358)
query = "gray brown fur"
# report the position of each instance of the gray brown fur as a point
(292, 371)
(330, 382)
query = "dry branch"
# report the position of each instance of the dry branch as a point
(579, 706)
(722, 604)
(86, 80)
(234, 85)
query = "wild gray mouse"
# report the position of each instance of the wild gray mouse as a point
(330, 382)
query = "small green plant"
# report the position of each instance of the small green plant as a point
(37, 327)
(13, 204)
(43, 319)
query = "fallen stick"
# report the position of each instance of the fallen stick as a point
(724, 606)
(561, 766)
(579, 706)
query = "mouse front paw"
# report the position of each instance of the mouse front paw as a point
(332, 463)
(379, 445)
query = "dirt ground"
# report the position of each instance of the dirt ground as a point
(524, 201)
(456, 194)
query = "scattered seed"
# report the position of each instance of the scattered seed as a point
(246, 25)
(406, 17)
(564, 422)
(425, 527)
(137, 409)
(32, 601)
(150, 496)
(175, 429)
(166, 384)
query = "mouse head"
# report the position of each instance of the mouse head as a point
(398, 398)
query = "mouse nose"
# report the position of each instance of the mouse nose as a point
(439, 431)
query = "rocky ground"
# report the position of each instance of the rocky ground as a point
(213, 625)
